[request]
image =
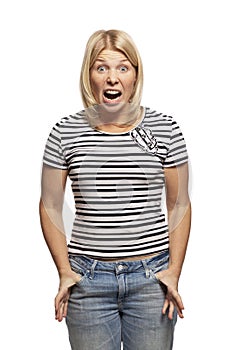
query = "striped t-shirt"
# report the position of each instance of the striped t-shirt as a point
(117, 181)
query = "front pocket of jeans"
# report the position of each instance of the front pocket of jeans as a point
(160, 265)
(153, 275)
(157, 267)
(79, 270)
(157, 281)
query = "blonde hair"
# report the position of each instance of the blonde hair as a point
(116, 40)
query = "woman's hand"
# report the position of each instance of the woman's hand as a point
(173, 299)
(67, 280)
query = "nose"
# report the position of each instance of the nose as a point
(112, 77)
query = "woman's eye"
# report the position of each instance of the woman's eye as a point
(101, 69)
(123, 69)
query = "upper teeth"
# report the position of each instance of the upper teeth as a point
(112, 92)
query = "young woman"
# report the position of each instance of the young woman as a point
(119, 273)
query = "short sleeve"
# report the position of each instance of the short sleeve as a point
(177, 152)
(53, 153)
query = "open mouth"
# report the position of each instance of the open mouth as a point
(112, 95)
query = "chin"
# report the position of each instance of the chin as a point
(113, 105)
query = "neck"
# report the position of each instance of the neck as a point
(119, 124)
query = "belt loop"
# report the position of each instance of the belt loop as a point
(147, 270)
(93, 269)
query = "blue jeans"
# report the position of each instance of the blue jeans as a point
(119, 301)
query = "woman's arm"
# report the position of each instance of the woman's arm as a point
(179, 222)
(51, 204)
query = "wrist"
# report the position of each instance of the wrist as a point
(64, 270)
(176, 271)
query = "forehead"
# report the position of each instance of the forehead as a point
(111, 55)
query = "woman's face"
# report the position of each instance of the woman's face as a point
(112, 78)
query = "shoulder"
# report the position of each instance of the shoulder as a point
(72, 120)
(158, 121)
(71, 125)
(154, 115)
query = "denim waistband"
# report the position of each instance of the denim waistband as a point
(130, 266)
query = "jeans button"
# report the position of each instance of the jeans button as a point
(122, 267)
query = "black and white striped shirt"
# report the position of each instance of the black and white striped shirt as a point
(117, 182)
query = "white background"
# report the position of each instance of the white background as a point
(186, 51)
